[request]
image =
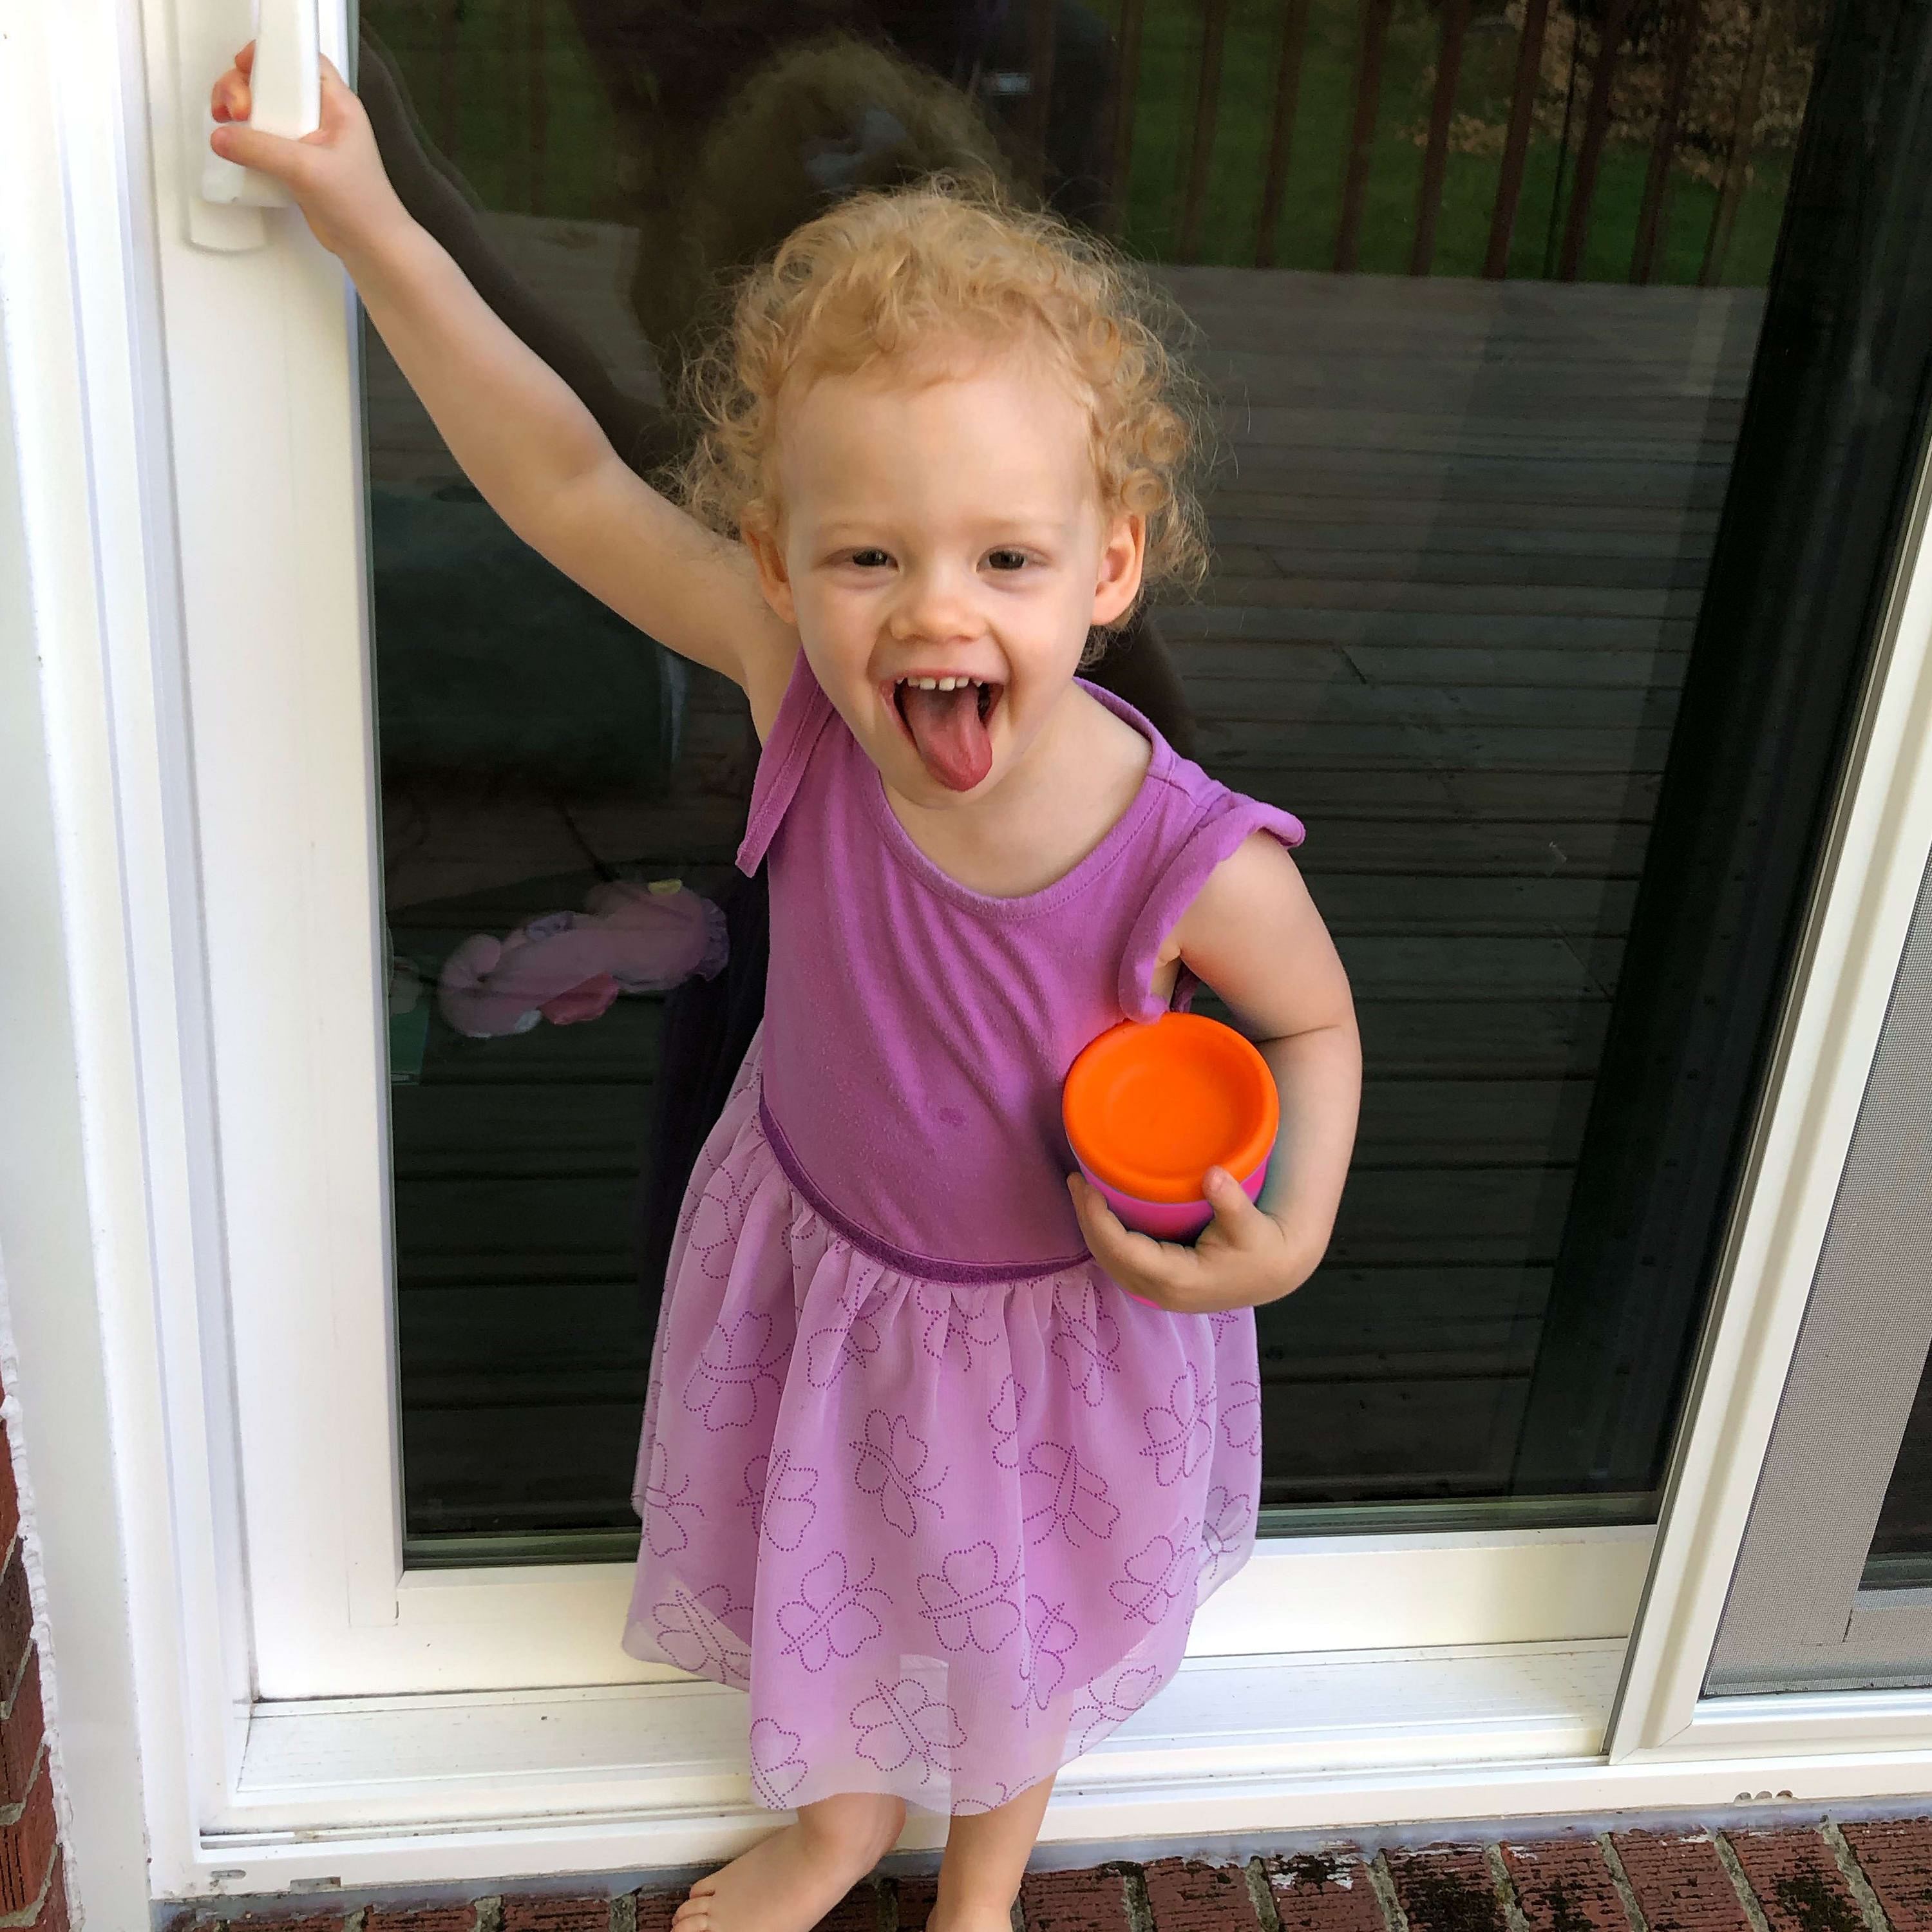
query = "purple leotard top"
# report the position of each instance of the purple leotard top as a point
(916, 1031)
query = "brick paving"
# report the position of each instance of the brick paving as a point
(1448, 1888)
(1794, 1877)
(268, 1921)
(1323, 1891)
(1068, 1901)
(915, 1903)
(1895, 1855)
(428, 1919)
(1186, 1895)
(1680, 1882)
(1868, 1877)
(650, 1912)
(33, 1886)
(588, 1914)
(1565, 1884)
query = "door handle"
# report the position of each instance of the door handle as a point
(285, 98)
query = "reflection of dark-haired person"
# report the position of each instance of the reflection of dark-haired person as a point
(805, 125)
(744, 193)
(984, 47)
(670, 66)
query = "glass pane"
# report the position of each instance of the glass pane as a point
(1900, 1557)
(1480, 289)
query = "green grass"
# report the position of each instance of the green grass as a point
(1306, 237)
(491, 142)
(490, 139)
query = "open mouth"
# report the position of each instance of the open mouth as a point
(946, 714)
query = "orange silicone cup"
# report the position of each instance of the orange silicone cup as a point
(1149, 1107)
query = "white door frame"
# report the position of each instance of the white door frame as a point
(282, 826)
(1876, 858)
(124, 547)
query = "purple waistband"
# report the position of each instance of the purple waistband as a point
(901, 1259)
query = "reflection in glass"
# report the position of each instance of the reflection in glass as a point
(1479, 290)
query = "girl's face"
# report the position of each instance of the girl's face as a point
(942, 554)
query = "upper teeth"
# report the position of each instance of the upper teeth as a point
(942, 683)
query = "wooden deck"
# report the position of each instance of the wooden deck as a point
(1460, 537)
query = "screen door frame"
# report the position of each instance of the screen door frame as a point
(1856, 928)
(282, 799)
(1799, 1616)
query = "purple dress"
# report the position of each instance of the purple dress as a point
(914, 1473)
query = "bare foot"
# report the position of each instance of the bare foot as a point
(789, 1882)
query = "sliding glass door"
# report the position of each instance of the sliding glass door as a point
(1517, 318)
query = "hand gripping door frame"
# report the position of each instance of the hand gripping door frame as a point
(225, 201)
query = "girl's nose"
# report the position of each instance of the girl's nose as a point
(932, 608)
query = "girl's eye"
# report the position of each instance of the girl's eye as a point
(871, 559)
(1006, 559)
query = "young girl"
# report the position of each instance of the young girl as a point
(938, 1458)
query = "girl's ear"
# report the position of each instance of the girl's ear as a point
(774, 581)
(1122, 562)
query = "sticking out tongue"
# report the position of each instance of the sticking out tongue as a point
(950, 733)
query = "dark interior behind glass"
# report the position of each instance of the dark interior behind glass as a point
(1528, 461)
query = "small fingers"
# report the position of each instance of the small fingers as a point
(1136, 1262)
(1235, 1212)
(232, 99)
(1107, 1235)
(229, 99)
(250, 147)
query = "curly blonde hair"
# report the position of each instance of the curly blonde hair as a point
(889, 273)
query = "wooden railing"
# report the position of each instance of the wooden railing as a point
(1683, 40)
(1455, 15)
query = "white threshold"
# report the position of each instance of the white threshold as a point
(461, 1789)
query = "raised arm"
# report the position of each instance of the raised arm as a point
(521, 435)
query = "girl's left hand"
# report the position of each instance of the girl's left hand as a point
(1244, 1256)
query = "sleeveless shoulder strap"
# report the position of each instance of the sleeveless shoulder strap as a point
(1206, 823)
(804, 712)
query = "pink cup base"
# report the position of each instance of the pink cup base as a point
(1166, 1220)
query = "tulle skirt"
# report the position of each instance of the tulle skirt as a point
(947, 1533)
